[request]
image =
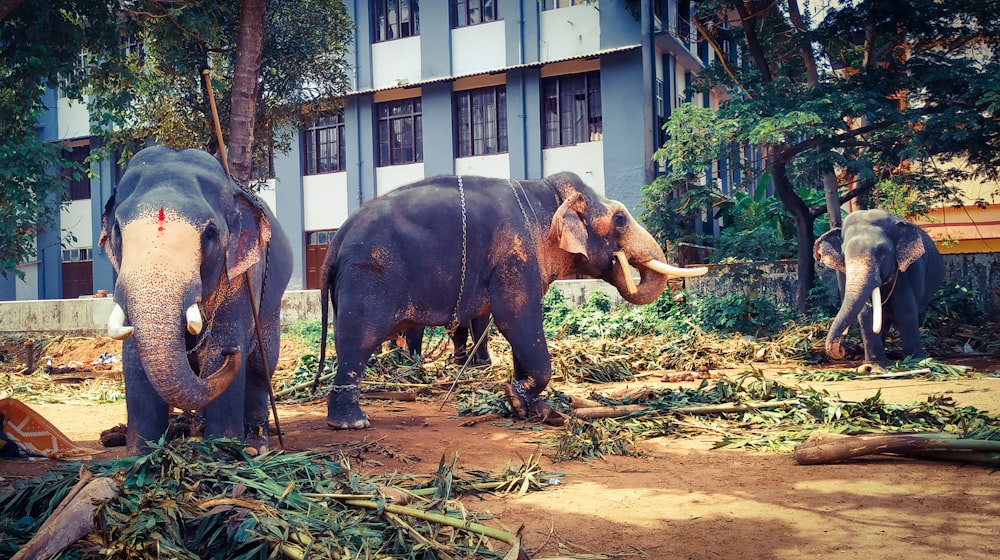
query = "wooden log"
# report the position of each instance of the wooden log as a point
(390, 395)
(72, 519)
(592, 412)
(829, 448)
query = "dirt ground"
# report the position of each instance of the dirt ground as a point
(682, 499)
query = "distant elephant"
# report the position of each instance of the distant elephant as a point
(888, 269)
(447, 249)
(460, 341)
(184, 241)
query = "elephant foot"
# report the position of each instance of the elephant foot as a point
(460, 359)
(870, 368)
(524, 407)
(344, 413)
(256, 437)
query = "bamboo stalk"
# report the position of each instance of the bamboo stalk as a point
(828, 448)
(470, 526)
(625, 410)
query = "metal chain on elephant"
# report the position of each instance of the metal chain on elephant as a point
(454, 324)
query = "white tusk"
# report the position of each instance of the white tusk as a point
(670, 270)
(193, 316)
(877, 310)
(626, 271)
(116, 324)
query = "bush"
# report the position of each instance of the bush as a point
(731, 313)
(953, 306)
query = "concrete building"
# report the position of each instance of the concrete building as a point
(504, 88)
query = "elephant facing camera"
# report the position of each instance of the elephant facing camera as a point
(193, 255)
(888, 270)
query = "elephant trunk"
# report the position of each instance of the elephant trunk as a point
(859, 289)
(644, 253)
(160, 341)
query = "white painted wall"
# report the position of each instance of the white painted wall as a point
(571, 31)
(27, 289)
(324, 201)
(478, 48)
(73, 119)
(493, 165)
(585, 159)
(392, 176)
(396, 62)
(74, 218)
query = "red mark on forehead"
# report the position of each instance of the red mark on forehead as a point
(161, 217)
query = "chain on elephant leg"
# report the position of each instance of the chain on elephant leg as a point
(344, 408)
(525, 402)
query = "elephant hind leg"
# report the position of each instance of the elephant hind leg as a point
(343, 408)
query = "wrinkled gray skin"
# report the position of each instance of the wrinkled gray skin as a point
(877, 249)
(178, 234)
(398, 263)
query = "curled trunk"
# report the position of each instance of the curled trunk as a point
(856, 294)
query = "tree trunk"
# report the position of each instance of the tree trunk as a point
(803, 228)
(243, 111)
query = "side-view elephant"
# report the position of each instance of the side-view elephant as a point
(448, 249)
(460, 342)
(888, 270)
(188, 246)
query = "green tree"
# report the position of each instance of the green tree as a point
(141, 77)
(877, 93)
(40, 43)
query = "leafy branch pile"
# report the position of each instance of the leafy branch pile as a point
(210, 499)
(752, 412)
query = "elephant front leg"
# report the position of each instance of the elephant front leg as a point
(873, 342)
(148, 413)
(532, 371)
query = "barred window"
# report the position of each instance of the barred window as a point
(572, 109)
(481, 121)
(553, 4)
(395, 19)
(472, 12)
(400, 132)
(323, 145)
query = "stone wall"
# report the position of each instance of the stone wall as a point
(88, 316)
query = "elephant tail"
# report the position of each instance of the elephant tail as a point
(326, 301)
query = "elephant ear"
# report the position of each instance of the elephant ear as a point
(909, 246)
(105, 232)
(249, 233)
(568, 227)
(829, 251)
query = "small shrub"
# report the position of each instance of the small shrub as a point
(731, 313)
(954, 305)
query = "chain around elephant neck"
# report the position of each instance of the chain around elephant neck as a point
(454, 323)
(527, 222)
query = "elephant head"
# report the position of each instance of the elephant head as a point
(871, 249)
(603, 240)
(177, 233)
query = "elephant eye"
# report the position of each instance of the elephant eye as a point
(619, 220)
(211, 234)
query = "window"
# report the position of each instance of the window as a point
(572, 109)
(323, 145)
(553, 4)
(400, 132)
(471, 12)
(76, 176)
(481, 121)
(395, 19)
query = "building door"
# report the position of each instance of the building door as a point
(77, 273)
(316, 244)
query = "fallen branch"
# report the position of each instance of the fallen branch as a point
(72, 519)
(625, 410)
(823, 447)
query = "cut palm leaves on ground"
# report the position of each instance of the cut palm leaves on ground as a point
(751, 411)
(922, 368)
(209, 499)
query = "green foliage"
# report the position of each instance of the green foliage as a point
(599, 319)
(158, 94)
(954, 305)
(732, 313)
(40, 43)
